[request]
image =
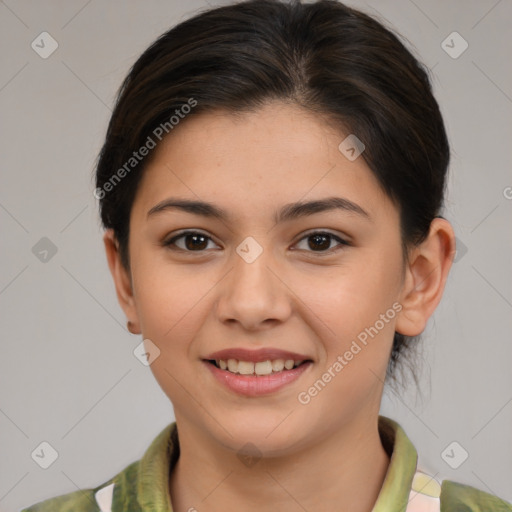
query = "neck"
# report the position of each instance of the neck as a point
(343, 471)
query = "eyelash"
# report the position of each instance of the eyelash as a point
(171, 242)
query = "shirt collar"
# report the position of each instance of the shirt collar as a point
(394, 493)
(152, 483)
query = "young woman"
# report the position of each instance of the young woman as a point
(271, 186)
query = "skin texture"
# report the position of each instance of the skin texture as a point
(295, 296)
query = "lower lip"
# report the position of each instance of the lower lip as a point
(253, 385)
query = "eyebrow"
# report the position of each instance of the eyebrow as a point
(288, 212)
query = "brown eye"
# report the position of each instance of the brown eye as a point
(193, 241)
(320, 241)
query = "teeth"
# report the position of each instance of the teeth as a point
(263, 368)
(245, 367)
(233, 365)
(259, 368)
(278, 365)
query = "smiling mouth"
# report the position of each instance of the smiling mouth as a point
(261, 368)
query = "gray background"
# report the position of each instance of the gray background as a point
(67, 372)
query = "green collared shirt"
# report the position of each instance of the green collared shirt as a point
(143, 486)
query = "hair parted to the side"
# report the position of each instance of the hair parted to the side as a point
(323, 56)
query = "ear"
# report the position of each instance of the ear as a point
(122, 279)
(425, 279)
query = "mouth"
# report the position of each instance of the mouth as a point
(257, 372)
(257, 378)
(258, 369)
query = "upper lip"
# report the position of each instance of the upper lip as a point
(262, 354)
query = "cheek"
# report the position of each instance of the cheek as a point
(352, 315)
(172, 304)
(170, 297)
(350, 298)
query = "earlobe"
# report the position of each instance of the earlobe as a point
(122, 279)
(426, 275)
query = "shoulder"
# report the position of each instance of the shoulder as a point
(87, 500)
(464, 498)
(139, 485)
(79, 501)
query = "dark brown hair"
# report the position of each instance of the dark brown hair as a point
(323, 56)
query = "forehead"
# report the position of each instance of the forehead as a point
(257, 160)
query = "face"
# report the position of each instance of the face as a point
(321, 284)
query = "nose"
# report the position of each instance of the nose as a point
(254, 295)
